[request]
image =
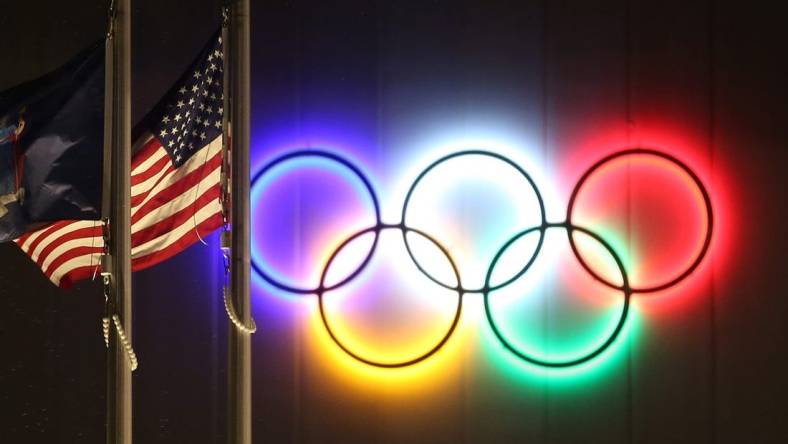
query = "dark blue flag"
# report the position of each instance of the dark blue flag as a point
(51, 139)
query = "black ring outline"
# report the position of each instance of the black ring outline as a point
(496, 156)
(706, 200)
(367, 184)
(487, 289)
(584, 358)
(320, 294)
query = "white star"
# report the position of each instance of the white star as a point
(197, 74)
(170, 144)
(182, 90)
(181, 145)
(187, 114)
(209, 110)
(163, 133)
(209, 80)
(191, 146)
(166, 119)
(191, 101)
(217, 124)
(202, 106)
(213, 67)
(210, 57)
(217, 53)
(180, 104)
(175, 130)
(205, 93)
(195, 88)
(177, 117)
(220, 111)
(194, 133)
(205, 122)
(178, 158)
(203, 136)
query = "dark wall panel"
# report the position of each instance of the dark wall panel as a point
(388, 84)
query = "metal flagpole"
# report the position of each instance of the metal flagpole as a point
(116, 267)
(239, 366)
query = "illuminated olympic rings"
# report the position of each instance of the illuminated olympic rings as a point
(626, 289)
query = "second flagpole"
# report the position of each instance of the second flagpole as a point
(116, 266)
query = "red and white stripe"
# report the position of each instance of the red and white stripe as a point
(171, 209)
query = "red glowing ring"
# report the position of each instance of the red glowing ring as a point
(706, 201)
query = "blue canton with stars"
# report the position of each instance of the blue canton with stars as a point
(189, 117)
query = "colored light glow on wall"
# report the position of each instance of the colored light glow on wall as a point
(310, 203)
(391, 293)
(614, 215)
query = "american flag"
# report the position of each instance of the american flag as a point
(175, 182)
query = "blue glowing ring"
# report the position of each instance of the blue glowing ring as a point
(367, 184)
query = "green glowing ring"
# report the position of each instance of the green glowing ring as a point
(625, 288)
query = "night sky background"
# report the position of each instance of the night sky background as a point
(375, 78)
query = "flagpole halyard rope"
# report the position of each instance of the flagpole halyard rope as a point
(194, 202)
(228, 307)
(130, 355)
(109, 306)
(105, 330)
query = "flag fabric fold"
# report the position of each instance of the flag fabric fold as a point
(175, 178)
(51, 145)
